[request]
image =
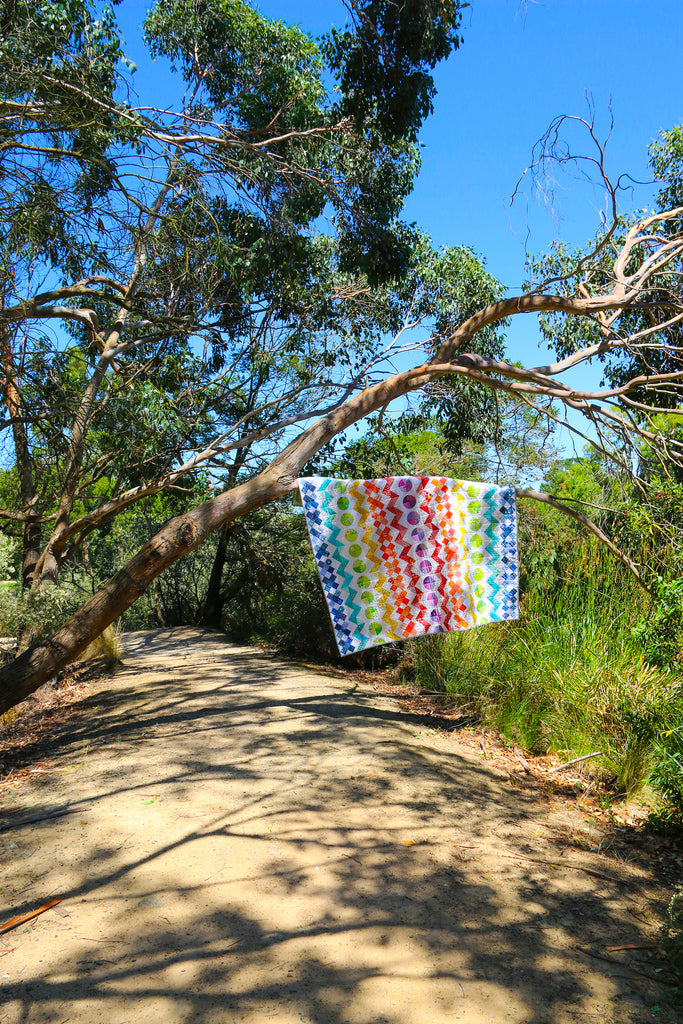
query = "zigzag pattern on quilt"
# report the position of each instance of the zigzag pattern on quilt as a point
(401, 557)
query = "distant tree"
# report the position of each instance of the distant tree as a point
(165, 297)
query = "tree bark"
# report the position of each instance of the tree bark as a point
(213, 603)
(32, 529)
(157, 603)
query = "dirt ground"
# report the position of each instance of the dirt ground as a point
(257, 842)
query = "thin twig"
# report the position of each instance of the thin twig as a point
(577, 760)
(14, 922)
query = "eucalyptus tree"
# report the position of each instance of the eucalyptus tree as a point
(165, 297)
(198, 270)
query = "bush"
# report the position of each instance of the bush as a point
(659, 634)
(672, 937)
(37, 614)
(569, 677)
(667, 774)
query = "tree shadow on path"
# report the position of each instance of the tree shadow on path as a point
(265, 844)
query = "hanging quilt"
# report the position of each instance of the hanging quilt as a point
(405, 556)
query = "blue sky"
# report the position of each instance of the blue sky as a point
(520, 65)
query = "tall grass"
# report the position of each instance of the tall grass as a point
(106, 646)
(568, 677)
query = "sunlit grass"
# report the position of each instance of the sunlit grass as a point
(567, 677)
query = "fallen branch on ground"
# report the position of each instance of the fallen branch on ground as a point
(41, 817)
(577, 760)
(22, 918)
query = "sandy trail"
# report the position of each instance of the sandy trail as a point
(263, 843)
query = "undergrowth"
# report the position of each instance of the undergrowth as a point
(570, 677)
(106, 646)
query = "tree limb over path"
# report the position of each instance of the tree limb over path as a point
(202, 322)
(186, 532)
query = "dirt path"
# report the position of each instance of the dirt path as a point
(261, 843)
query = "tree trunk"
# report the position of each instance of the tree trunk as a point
(31, 543)
(157, 603)
(32, 530)
(213, 603)
(185, 533)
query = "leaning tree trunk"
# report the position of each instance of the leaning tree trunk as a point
(177, 538)
(180, 536)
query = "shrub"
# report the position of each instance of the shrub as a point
(569, 677)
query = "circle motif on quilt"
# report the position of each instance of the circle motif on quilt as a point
(351, 534)
(478, 574)
(370, 613)
(363, 582)
(475, 524)
(413, 518)
(405, 485)
(479, 590)
(347, 519)
(409, 501)
(434, 616)
(342, 503)
(367, 597)
(375, 628)
(418, 535)
(476, 541)
(472, 491)
(339, 487)
(359, 566)
(476, 557)
(431, 599)
(355, 550)
(474, 507)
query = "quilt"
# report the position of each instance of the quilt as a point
(407, 556)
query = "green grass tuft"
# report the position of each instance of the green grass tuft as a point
(568, 677)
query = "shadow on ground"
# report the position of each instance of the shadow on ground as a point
(262, 843)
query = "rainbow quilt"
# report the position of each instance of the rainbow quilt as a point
(406, 556)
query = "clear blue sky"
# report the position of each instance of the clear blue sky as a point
(520, 65)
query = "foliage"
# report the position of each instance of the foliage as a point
(659, 635)
(510, 443)
(39, 613)
(672, 937)
(223, 284)
(667, 775)
(271, 585)
(666, 160)
(395, 43)
(8, 552)
(203, 306)
(568, 677)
